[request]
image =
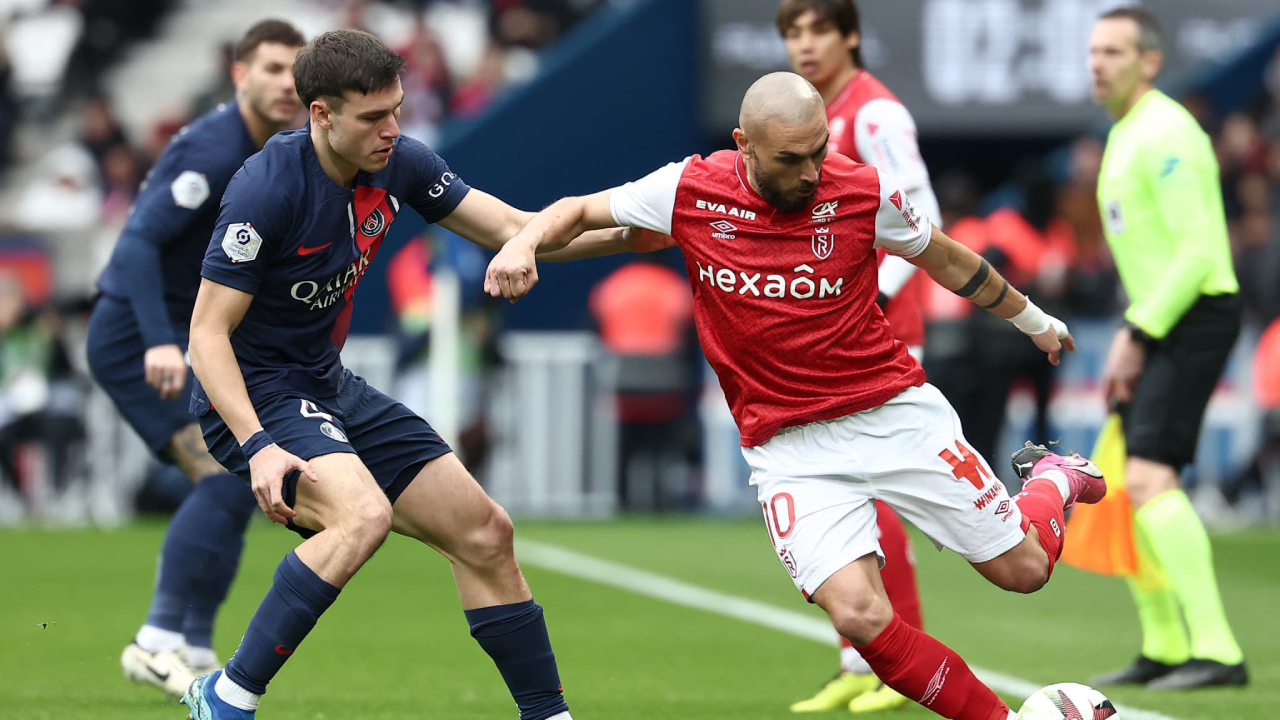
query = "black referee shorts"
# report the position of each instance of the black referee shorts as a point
(1162, 422)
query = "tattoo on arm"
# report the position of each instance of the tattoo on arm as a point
(977, 282)
(1000, 298)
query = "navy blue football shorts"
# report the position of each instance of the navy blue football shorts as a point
(391, 441)
(115, 348)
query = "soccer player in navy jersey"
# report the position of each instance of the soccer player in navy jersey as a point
(327, 455)
(137, 344)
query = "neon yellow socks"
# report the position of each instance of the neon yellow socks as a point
(1164, 637)
(1179, 544)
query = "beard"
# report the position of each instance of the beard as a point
(785, 202)
(264, 107)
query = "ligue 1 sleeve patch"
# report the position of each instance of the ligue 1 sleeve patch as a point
(241, 242)
(190, 189)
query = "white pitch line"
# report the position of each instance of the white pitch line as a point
(660, 587)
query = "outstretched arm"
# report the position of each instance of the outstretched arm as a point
(646, 205)
(490, 223)
(514, 272)
(963, 272)
(902, 230)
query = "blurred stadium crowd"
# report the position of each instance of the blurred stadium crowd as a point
(81, 121)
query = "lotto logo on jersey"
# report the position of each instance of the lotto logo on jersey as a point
(800, 287)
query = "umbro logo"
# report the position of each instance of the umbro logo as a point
(723, 230)
(826, 210)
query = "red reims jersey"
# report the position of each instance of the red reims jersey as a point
(785, 304)
(869, 124)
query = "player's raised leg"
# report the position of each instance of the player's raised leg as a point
(1053, 484)
(445, 508)
(350, 517)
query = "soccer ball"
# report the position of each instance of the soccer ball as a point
(1068, 701)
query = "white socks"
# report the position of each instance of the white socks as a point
(199, 658)
(237, 697)
(155, 640)
(561, 716)
(851, 662)
(1059, 478)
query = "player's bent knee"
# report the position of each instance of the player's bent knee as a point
(1025, 569)
(367, 522)
(1030, 578)
(861, 618)
(491, 541)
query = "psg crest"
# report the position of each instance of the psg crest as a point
(372, 225)
(823, 243)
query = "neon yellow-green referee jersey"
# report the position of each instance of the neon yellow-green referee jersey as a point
(1161, 209)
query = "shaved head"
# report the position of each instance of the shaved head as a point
(780, 98)
(782, 136)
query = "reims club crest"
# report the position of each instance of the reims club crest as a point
(823, 242)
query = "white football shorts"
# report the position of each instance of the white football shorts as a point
(816, 484)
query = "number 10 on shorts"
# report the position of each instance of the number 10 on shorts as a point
(779, 516)
(780, 519)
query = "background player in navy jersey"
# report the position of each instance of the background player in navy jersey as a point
(137, 345)
(298, 228)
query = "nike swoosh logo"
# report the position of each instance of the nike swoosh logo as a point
(304, 250)
(281, 651)
(159, 675)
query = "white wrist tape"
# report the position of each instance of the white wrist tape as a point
(1034, 321)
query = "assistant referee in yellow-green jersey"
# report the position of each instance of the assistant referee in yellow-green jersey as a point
(1161, 208)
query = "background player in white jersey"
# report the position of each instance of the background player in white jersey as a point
(870, 125)
(833, 412)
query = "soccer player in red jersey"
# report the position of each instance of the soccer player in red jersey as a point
(780, 240)
(869, 124)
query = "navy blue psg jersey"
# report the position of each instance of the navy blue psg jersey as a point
(172, 218)
(300, 243)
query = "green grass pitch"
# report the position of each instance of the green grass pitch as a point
(396, 647)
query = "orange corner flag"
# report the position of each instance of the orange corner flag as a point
(1100, 537)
